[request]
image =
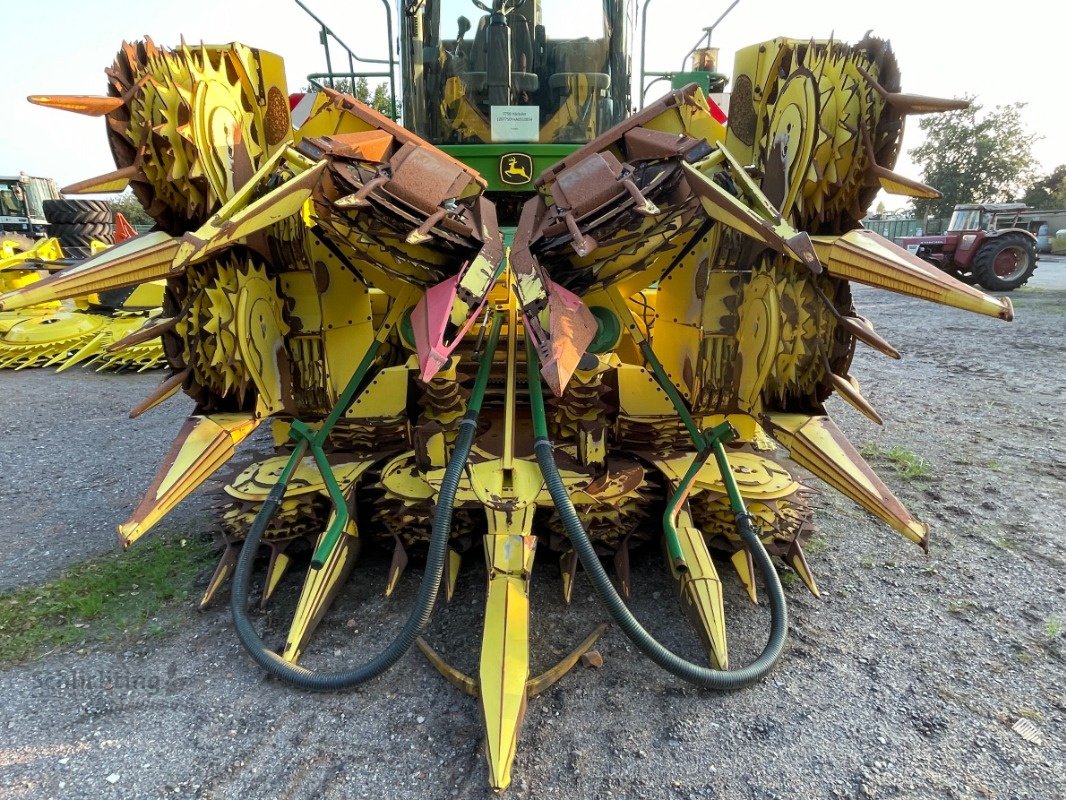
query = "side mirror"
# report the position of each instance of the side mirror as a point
(464, 26)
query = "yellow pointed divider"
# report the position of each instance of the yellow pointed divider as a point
(701, 590)
(866, 257)
(108, 183)
(245, 214)
(203, 445)
(504, 669)
(815, 442)
(143, 258)
(320, 587)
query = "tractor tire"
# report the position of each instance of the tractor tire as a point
(78, 223)
(79, 246)
(1005, 263)
(78, 212)
(92, 230)
(76, 252)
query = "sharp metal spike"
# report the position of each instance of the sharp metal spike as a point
(798, 561)
(151, 329)
(913, 103)
(108, 183)
(848, 389)
(622, 572)
(88, 105)
(225, 568)
(568, 570)
(279, 563)
(396, 568)
(920, 104)
(166, 389)
(894, 183)
(455, 561)
(745, 567)
(863, 330)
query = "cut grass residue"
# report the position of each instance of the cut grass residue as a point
(103, 599)
(815, 546)
(1053, 627)
(910, 466)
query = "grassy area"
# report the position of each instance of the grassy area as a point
(105, 599)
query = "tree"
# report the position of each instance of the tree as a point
(131, 209)
(974, 157)
(379, 100)
(1048, 192)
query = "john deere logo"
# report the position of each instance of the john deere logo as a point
(516, 169)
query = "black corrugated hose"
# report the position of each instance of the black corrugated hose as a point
(319, 681)
(706, 677)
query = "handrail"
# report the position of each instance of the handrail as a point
(326, 33)
(659, 76)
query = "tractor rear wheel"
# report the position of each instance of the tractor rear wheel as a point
(1005, 263)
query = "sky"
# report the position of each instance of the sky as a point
(943, 49)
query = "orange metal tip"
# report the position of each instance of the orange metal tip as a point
(89, 105)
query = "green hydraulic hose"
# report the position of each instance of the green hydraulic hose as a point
(707, 677)
(436, 556)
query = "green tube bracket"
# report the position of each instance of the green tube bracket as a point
(313, 439)
(714, 438)
(676, 400)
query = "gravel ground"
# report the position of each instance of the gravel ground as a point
(902, 681)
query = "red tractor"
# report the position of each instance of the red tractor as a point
(982, 245)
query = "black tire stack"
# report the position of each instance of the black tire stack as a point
(77, 223)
